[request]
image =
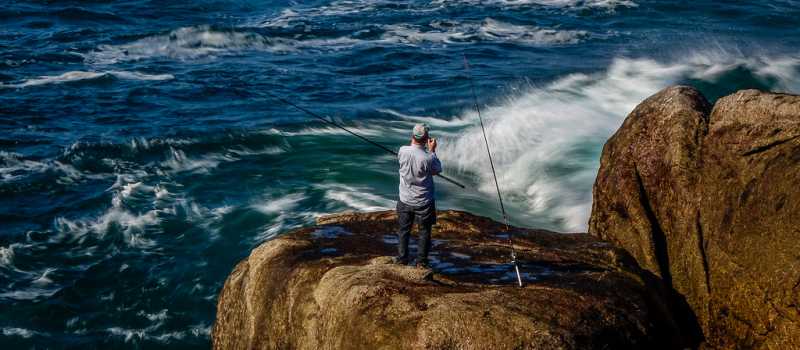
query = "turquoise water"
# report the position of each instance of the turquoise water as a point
(139, 160)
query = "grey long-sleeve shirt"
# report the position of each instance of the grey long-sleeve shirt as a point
(417, 168)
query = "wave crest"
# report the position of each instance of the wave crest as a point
(75, 76)
(204, 42)
(188, 43)
(547, 141)
(487, 30)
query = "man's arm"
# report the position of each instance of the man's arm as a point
(436, 165)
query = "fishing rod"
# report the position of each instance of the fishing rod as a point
(494, 174)
(333, 123)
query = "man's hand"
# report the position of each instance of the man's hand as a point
(432, 144)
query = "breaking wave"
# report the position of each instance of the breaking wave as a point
(361, 199)
(18, 332)
(151, 333)
(75, 76)
(300, 16)
(7, 256)
(204, 42)
(185, 44)
(608, 5)
(547, 141)
(490, 30)
(16, 167)
(280, 205)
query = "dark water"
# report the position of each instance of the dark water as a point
(139, 161)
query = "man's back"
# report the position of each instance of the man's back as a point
(416, 203)
(417, 168)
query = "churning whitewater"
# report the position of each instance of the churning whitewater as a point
(139, 160)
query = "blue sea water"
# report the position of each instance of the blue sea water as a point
(140, 159)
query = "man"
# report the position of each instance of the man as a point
(417, 168)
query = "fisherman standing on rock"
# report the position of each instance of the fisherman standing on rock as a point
(417, 204)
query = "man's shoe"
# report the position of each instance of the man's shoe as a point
(428, 274)
(399, 261)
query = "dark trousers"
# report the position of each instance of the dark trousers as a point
(425, 217)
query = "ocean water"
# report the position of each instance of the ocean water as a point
(140, 160)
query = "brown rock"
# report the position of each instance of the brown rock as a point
(332, 287)
(707, 204)
(643, 194)
(749, 208)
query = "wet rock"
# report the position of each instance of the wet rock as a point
(707, 200)
(332, 286)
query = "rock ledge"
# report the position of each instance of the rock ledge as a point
(331, 287)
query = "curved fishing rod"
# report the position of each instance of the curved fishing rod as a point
(494, 174)
(331, 122)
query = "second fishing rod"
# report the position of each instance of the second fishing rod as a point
(494, 174)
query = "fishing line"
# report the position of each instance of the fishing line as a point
(494, 174)
(333, 123)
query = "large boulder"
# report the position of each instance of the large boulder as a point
(708, 200)
(332, 287)
(644, 196)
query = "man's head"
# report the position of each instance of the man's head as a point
(420, 133)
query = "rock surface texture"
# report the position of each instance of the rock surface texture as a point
(707, 199)
(332, 287)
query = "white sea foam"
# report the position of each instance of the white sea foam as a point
(127, 334)
(605, 4)
(132, 225)
(452, 32)
(177, 161)
(200, 330)
(151, 333)
(30, 293)
(73, 76)
(186, 44)
(161, 194)
(44, 278)
(7, 256)
(289, 17)
(243, 151)
(127, 190)
(608, 5)
(279, 205)
(361, 199)
(19, 332)
(501, 31)
(284, 222)
(299, 16)
(221, 211)
(14, 166)
(155, 317)
(143, 144)
(446, 32)
(326, 130)
(430, 120)
(11, 164)
(535, 136)
(204, 42)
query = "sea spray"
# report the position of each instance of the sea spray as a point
(549, 138)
